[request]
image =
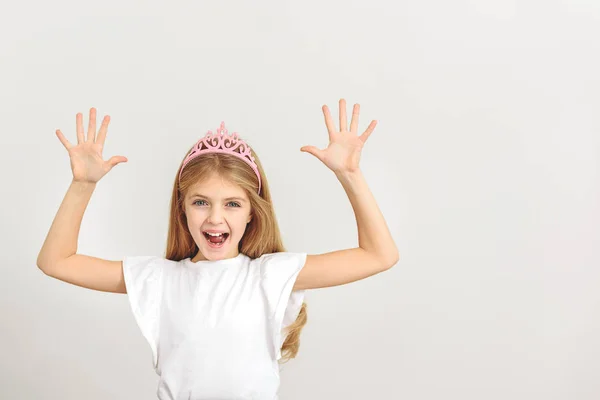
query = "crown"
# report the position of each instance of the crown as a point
(223, 142)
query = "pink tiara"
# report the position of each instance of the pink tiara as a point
(223, 142)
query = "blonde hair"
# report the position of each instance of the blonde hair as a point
(262, 234)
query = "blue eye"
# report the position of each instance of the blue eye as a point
(231, 202)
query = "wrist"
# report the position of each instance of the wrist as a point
(83, 185)
(351, 180)
(349, 175)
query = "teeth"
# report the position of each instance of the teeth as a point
(214, 234)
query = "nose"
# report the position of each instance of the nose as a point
(215, 216)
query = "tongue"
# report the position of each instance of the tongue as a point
(216, 239)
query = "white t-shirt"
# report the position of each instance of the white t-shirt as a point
(215, 327)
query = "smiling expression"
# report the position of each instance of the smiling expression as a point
(218, 206)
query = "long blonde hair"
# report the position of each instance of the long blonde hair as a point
(262, 234)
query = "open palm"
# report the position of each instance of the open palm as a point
(345, 146)
(86, 157)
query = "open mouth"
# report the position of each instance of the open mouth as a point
(216, 239)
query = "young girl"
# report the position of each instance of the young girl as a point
(226, 304)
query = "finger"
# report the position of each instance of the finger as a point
(103, 129)
(314, 151)
(63, 139)
(329, 122)
(354, 121)
(343, 117)
(368, 132)
(114, 160)
(79, 119)
(91, 135)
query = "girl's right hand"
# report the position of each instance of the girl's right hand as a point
(86, 158)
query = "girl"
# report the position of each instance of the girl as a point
(225, 305)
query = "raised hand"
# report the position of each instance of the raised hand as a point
(86, 157)
(343, 152)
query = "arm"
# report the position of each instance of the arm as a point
(58, 257)
(61, 241)
(376, 251)
(374, 236)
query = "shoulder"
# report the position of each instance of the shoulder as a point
(147, 265)
(148, 260)
(279, 261)
(279, 256)
(137, 260)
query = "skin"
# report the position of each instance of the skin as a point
(214, 212)
(377, 251)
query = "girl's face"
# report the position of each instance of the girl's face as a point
(216, 205)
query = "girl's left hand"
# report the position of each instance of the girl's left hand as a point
(343, 152)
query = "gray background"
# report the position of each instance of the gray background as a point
(484, 163)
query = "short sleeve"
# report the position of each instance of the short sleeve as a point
(279, 272)
(143, 281)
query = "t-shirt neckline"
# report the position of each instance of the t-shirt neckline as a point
(214, 263)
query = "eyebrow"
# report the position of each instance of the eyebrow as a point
(206, 197)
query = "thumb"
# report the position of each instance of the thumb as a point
(314, 151)
(114, 160)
